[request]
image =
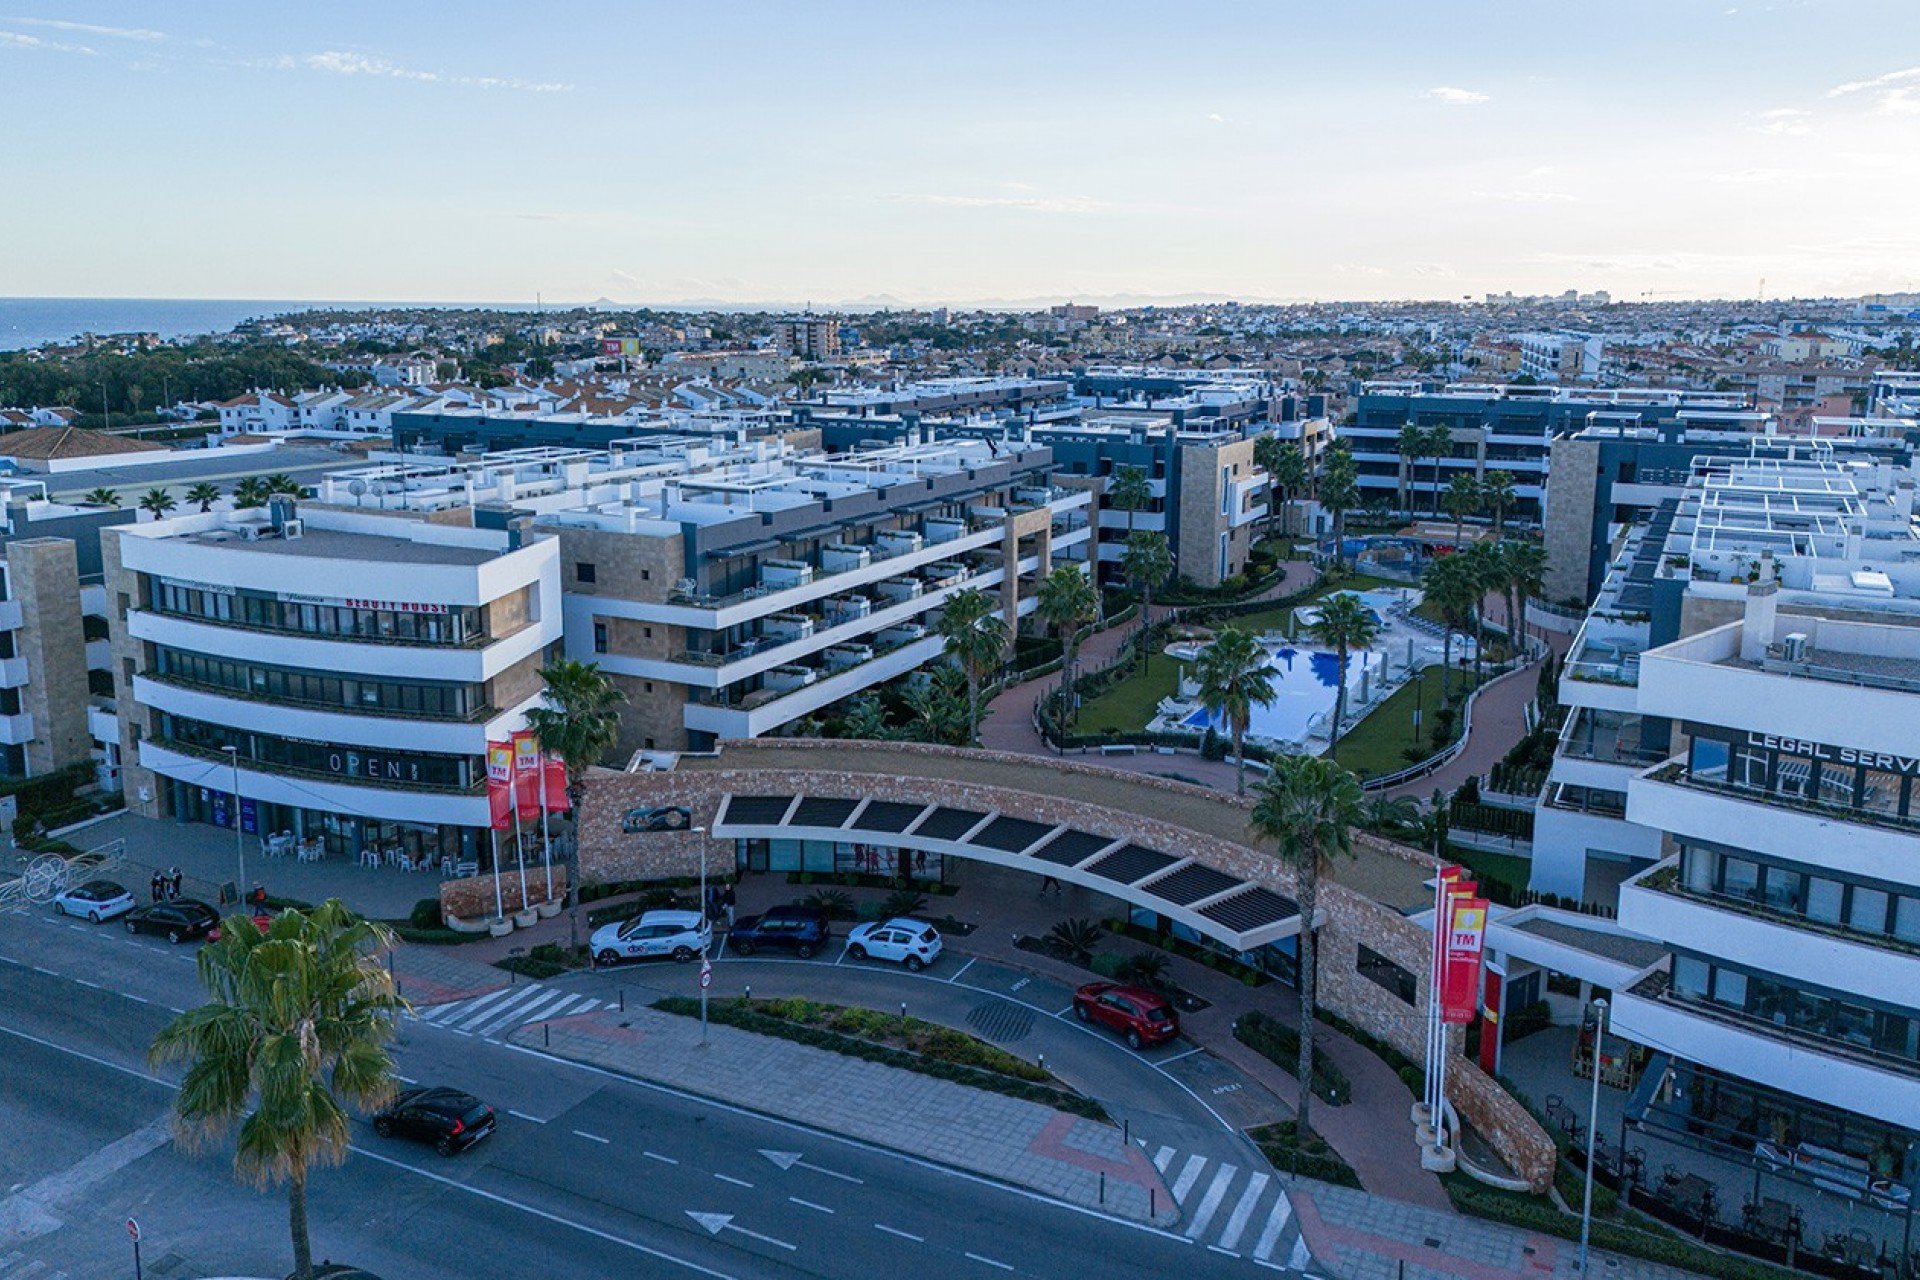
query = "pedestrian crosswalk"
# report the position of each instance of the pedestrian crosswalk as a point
(499, 1013)
(17, 1266)
(1244, 1212)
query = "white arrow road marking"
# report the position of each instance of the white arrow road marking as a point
(715, 1223)
(792, 1159)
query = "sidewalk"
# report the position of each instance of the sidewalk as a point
(1068, 1157)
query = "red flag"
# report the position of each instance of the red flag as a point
(556, 776)
(526, 772)
(499, 784)
(1466, 935)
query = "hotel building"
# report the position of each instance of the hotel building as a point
(351, 665)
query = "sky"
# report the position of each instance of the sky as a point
(943, 152)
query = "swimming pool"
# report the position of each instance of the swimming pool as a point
(1304, 682)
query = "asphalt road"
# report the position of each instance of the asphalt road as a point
(588, 1175)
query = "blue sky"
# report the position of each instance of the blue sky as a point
(957, 152)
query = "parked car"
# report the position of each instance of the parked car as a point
(1141, 1015)
(448, 1118)
(679, 934)
(913, 943)
(799, 929)
(178, 920)
(96, 900)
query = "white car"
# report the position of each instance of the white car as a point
(913, 943)
(679, 934)
(96, 900)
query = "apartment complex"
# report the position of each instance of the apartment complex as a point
(328, 672)
(809, 337)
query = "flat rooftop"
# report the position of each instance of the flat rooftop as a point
(333, 544)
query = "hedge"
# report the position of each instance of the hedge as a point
(1278, 1143)
(1280, 1045)
(736, 1013)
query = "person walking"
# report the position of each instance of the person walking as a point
(174, 879)
(727, 902)
(157, 885)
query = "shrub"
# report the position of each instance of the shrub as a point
(1280, 1045)
(837, 903)
(1149, 968)
(1075, 939)
(1280, 1144)
(426, 914)
(903, 902)
(1110, 966)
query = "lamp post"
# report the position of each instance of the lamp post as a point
(239, 838)
(706, 933)
(1593, 1126)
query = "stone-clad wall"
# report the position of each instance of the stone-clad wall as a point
(1350, 917)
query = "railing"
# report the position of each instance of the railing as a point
(172, 681)
(1667, 880)
(480, 641)
(1678, 774)
(1818, 1041)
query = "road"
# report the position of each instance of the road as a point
(588, 1174)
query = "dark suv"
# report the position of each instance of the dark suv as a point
(801, 930)
(449, 1119)
(178, 920)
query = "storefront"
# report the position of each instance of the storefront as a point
(339, 835)
(838, 857)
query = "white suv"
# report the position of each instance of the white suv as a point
(913, 943)
(680, 934)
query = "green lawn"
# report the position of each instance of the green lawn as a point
(1505, 867)
(1128, 706)
(1375, 745)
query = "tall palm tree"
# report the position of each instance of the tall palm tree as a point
(295, 1030)
(158, 502)
(102, 497)
(1462, 499)
(250, 492)
(1129, 491)
(579, 723)
(1339, 493)
(1450, 587)
(1439, 445)
(1344, 624)
(204, 493)
(1308, 806)
(1412, 446)
(1066, 602)
(1498, 497)
(1147, 561)
(976, 639)
(1289, 472)
(1481, 563)
(1525, 563)
(1234, 679)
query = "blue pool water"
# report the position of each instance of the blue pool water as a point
(1304, 683)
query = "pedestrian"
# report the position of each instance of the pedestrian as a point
(259, 898)
(173, 883)
(727, 903)
(1048, 882)
(157, 885)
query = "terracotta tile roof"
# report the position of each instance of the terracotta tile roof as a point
(48, 443)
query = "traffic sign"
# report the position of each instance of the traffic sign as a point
(706, 975)
(133, 1230)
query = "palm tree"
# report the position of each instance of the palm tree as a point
(205, 494)
(1462, 499)
(1339, 493)
(976, 639)
(1449, 586)
(1412, 446)
(1497, 495)
(1289, 472)
(1525, 564)
(1343, 625)
(1481, 563)
(157, 501)
(250, 492)
(1234, 678)
(1147, 561)
(579, 723)
(282, 483)
(295, 1031)
(102, 497)
(1066, 601)
(866, 717)
(1129, 491)
(1439, 445)
(1308, 806)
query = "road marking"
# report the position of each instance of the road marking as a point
(895, 1231)
(1210, 1203)
(808, 1204)
(50, 973)
(1217, 1249)
(715, 1223)
(992, 1262)
(592, 1137)
(1188, 1054)
(406, 1080)
(1271, 1266)
(1162, 1158)
(790, 1159)
(94, 985)
(1189, 1174)
(720, 950)
(1276, 1223)
(521, 1115)
(1243, 1211)
(962, 969)
(1063, 1013)
(655, 1155)
(738, 1182)
(1023, 982)
(138, 999)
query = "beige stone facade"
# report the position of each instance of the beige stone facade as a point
(43, 575)
(1572, 469)
(1207, 470)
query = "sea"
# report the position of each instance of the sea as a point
(29, 322)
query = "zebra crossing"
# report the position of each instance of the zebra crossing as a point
(1242, 1212)
(17, 1266)
(500, 1013)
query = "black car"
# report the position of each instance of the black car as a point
(664, 818)
(449, 1119)
(179, 920)
(801, 930)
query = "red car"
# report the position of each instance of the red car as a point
(1144, 1017)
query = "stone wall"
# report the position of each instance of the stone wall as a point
(1572, 473)
(1350, 918)
(472, 898)
(45, 576)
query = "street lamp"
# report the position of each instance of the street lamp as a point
(706, 970)
(1593, 1127)
(239, 838)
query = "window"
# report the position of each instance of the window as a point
(583, 571)
(1384, 973)
(1689, 976)
(599, 637)
(646, 575)
(1867, 910)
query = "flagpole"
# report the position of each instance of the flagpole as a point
(546, 832)
(499, 907)
(519, 841)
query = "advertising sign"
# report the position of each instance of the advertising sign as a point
(526, 772)
(1466, 935)
(500, 785)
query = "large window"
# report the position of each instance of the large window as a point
(348, 763)
(1805, 773)
(1774, 1001)
(1876, 911)
(383, 621)
(429, 700)
(1377, 969)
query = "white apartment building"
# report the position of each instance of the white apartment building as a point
(352, 665)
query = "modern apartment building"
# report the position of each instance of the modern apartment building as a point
(334, 673)
(1495, 428)
(1561, 357)
(809, 337)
